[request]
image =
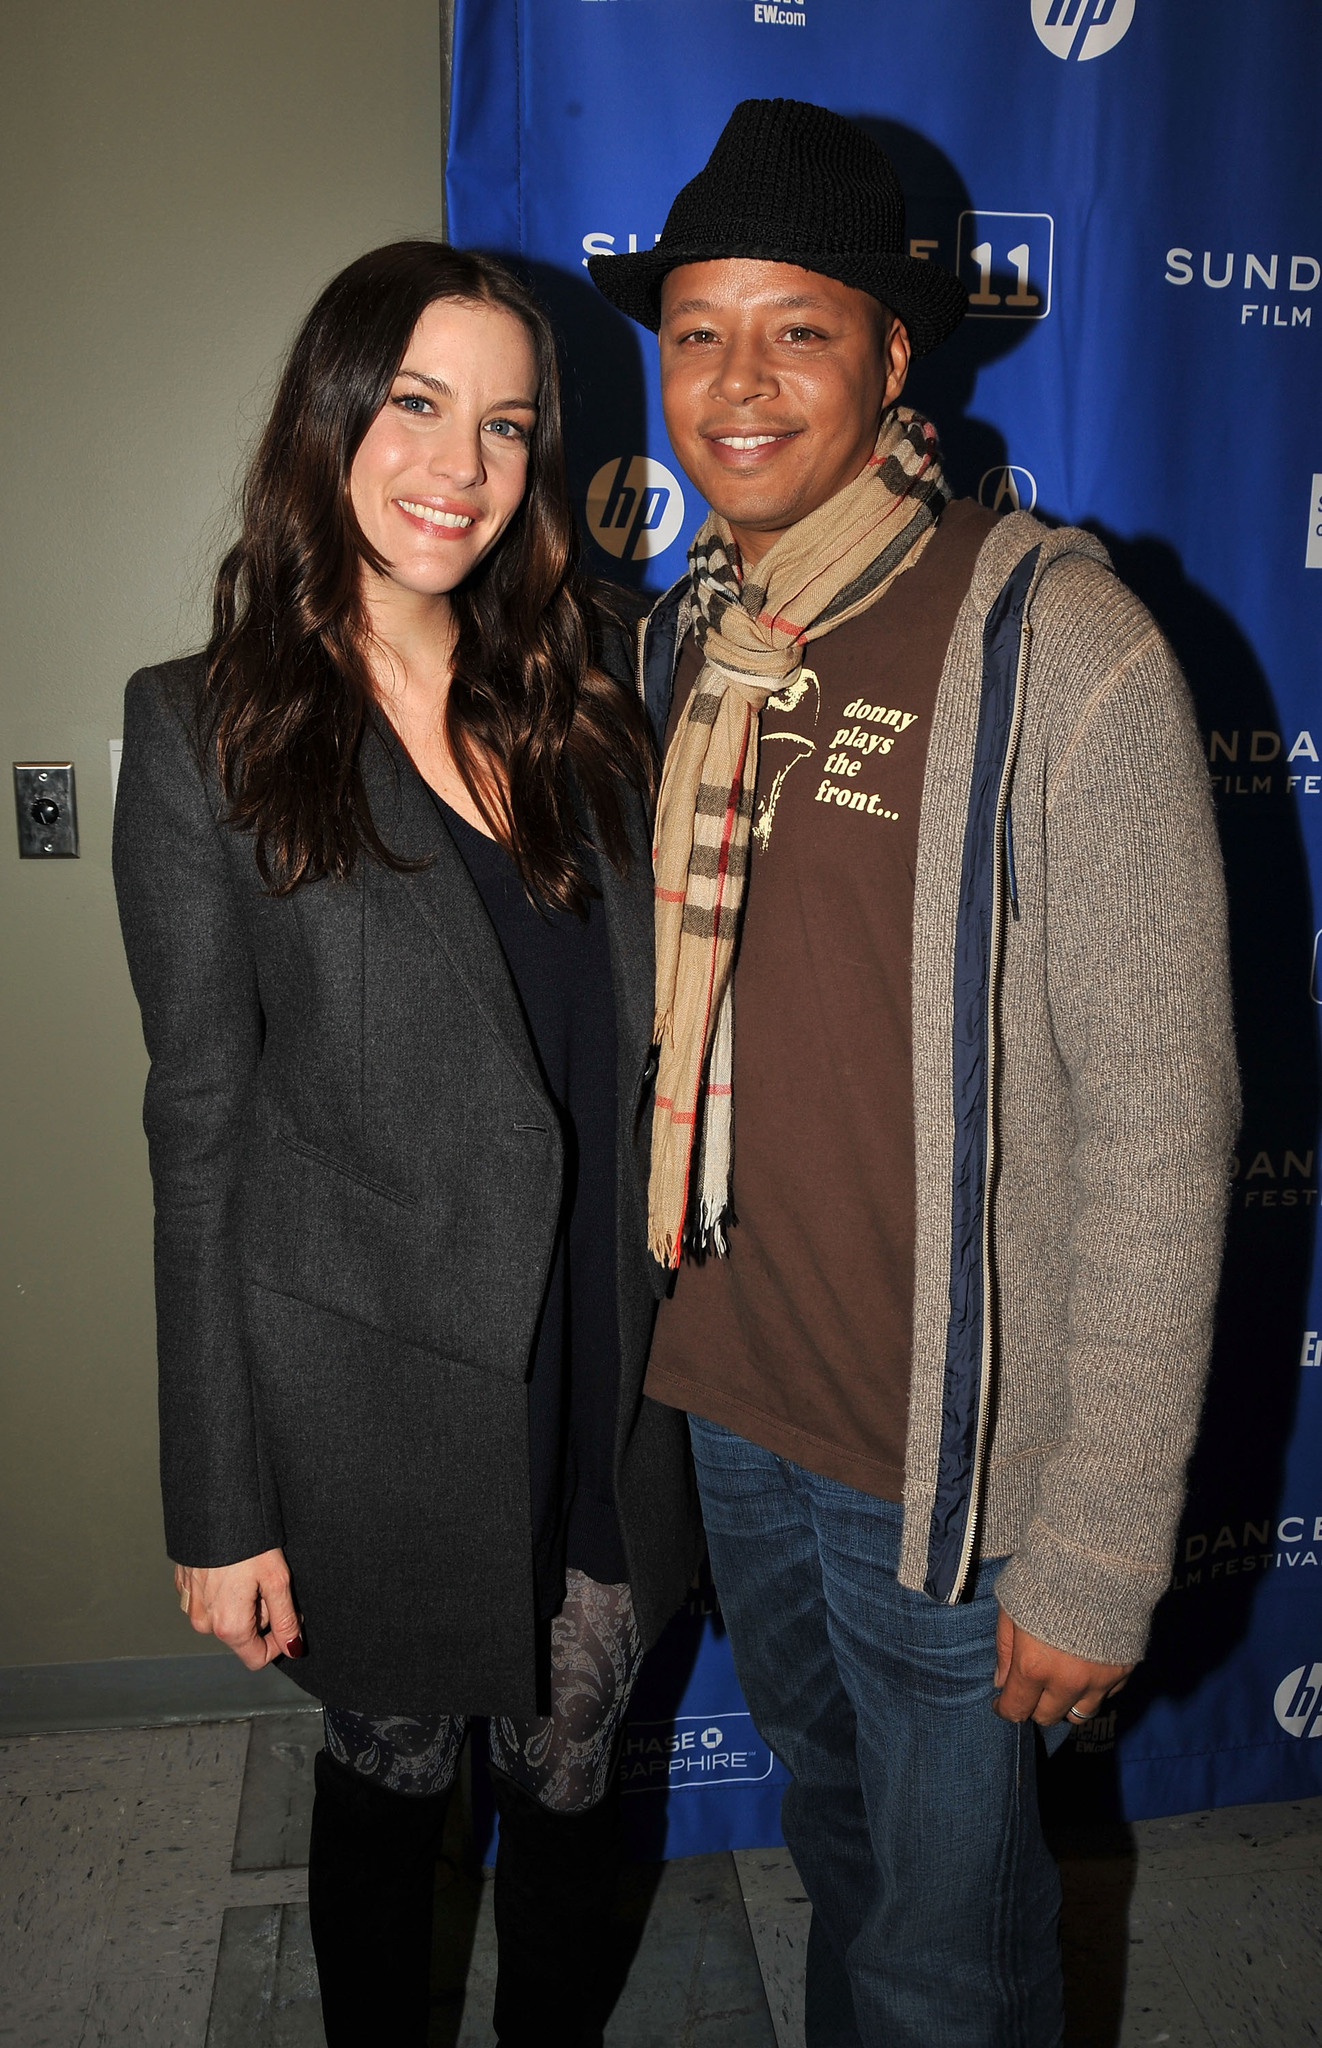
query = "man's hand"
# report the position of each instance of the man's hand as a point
(1040, 1684)
(248, 1605)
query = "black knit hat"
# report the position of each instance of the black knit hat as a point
(794, 183)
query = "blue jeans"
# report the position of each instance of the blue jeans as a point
(912, 1812)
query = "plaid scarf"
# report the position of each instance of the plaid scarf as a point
(826, 569)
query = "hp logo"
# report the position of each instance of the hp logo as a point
(1008, 488)
(1080, 29)
(1298, 1701)
(635, 507)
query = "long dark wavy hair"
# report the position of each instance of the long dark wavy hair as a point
(289, 695)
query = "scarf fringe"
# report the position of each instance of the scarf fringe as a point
(709, 1231)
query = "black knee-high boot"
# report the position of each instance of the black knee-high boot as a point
(556, 1880)
(371, 1872)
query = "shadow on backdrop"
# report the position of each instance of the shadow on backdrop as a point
(942, 385)
(1237, 1471)
(605, 400)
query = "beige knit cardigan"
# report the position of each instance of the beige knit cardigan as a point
(1113, 1102)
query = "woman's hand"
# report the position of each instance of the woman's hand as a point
(248, 1605)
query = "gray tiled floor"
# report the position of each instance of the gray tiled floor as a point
(115, 1853)
(1202, 1930)
(153, 1895)
(686, 1954)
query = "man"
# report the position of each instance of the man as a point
(946, 1085)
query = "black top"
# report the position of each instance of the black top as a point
(561, 968)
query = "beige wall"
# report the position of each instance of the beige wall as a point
(179, 178)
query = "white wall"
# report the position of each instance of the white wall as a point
(179, 180)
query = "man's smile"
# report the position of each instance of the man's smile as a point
(744, 450)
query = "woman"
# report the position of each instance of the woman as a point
(381, 856)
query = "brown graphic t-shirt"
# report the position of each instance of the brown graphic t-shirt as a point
(800, 1339)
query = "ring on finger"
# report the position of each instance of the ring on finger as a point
(1073, 1714)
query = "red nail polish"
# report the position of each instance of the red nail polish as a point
(295, 1648)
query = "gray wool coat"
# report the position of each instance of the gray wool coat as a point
(357, 1174)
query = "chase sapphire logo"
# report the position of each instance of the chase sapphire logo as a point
(1298, 1701)
(635, 507)
(1079, 29)
(694, 1750)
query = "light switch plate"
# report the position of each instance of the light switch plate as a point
(47, 810)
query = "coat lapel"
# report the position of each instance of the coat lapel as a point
(627, 901)
(444, 896)
(628, 904)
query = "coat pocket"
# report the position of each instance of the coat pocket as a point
(460, 1273)
(317, 1228)
(320, 1231)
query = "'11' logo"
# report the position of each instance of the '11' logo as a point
(1081, 29)
(1005, 260)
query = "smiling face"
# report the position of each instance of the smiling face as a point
(443, 467)
(773, 382)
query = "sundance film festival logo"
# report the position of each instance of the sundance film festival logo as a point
(1208, 1557)
(635, 507)
(1276, 1177)
(1241, 763)
(1266, 277)
(1079, 29)
(1298, 1701)
(598, 243)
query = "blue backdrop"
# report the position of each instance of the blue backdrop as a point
(1129, 188)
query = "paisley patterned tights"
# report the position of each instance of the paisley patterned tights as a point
(564, 1759)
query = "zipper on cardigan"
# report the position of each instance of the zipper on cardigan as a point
(1009, 863)
(1001, 874)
